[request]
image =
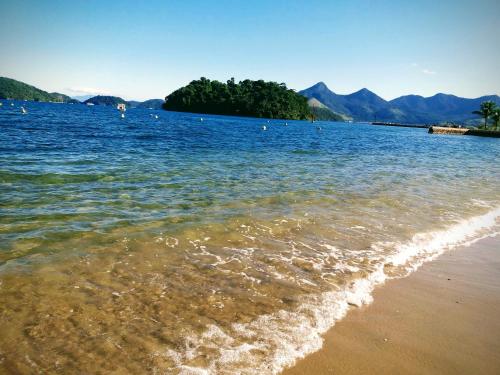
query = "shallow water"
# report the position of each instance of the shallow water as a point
(175, 245)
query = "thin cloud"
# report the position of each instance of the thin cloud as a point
(87, 91)
(429, 72)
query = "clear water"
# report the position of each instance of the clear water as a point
(175, 245)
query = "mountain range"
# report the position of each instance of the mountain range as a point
(364, 105)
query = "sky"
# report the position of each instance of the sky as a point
(147, 49)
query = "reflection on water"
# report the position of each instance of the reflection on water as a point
(174, 246)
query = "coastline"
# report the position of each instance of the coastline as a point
(441, 319)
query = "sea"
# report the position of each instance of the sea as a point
(178, 243)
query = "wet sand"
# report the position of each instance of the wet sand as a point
(442, 319)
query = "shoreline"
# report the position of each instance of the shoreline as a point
(441, 319)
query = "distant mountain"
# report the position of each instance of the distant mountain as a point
(12, 89)
(106, 100)
(82, 98)
(364, 105)
(150, 103)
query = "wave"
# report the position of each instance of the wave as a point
(273, 342)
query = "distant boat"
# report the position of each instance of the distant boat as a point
(122, 115)
(90, 103)
(24, 111)
(121, 107)
(264, 127)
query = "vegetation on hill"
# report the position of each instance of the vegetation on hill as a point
(246, 98)
(322, 113)
(106, 100)
(12, 89)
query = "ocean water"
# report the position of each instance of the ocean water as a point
(175, 245)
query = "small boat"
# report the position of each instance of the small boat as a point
(24, 111)
(156, 117)
(122, 115)
(264, 127)
(121, 107)
(90, 104)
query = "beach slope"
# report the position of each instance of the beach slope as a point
(442, 319)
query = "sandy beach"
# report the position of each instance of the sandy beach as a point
(442, 319)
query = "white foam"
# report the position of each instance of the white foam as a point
(286, 336)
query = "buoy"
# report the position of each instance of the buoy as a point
(156, 117)
(12, 104)
(122, 115)
(23, 110)
(264, 127)
(286, 123)
(201, 119)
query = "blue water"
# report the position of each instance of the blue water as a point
(79, 182)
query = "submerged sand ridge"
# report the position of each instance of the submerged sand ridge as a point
(217, 299)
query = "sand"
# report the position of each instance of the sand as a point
(442, 319)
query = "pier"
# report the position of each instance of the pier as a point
(401, 125)
(464, 131)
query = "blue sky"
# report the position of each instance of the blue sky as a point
(147, 49)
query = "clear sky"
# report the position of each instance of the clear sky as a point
(147, 49)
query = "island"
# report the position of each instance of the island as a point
(17, 90)
(246, 98)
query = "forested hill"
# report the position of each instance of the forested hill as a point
(12, 89)
(246, 98)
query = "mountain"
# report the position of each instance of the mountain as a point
(365, 105)
(106, 100)
(322, 112)
(12, 89)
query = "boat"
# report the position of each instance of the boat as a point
(90, 103)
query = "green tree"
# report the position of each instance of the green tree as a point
(495, 116)
(485, 111)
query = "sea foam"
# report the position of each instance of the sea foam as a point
(273, 342)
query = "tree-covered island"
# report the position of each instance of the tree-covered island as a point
(246, 98)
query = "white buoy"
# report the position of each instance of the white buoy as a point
(156, 117)
(12, 104)
(23, 110)
(201, 119)
(264, 127)
(286, 123)
(122, 115)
